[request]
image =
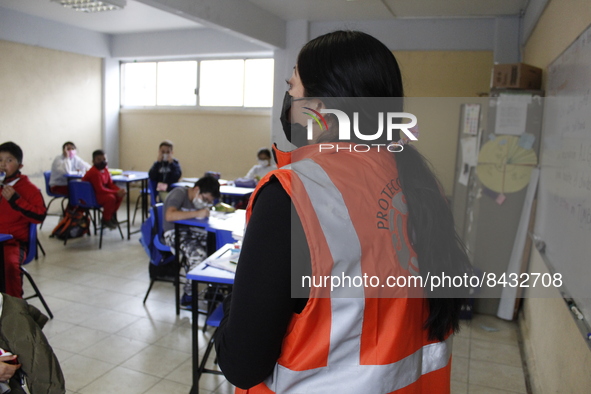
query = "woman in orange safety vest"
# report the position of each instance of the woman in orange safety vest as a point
(325, 298)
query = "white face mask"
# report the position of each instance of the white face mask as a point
(198, 203)
(264, 163)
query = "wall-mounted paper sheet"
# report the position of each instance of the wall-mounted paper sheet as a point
(511, 113)
(471, 119)
(470, 150)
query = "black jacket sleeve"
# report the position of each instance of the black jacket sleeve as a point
(154, 173)
(175, 173)
(260, 307)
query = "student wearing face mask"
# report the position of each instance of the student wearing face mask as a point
(264, 166)
(318, 217)
(107, 193)
(166, 170)
(21, 204)
(64, 164)
(187, 203)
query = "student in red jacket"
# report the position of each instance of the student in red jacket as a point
(107, 193)
(21, 203)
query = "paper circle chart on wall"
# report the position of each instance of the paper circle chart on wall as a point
(504, 166)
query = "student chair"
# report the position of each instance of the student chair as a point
(162, 262)
(39, 247)
(213, 320)
(137, 204)
(55, 196)
(154, 197)
(82, 196)
(162, 266)
(152, 194)
(32, 254)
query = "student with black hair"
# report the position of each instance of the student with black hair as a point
(188, 203)
(336, 214)
(265, 165)
(21, 203)
(166, 170)
(66, 163)
(107, 193)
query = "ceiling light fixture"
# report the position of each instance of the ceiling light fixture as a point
(92, 5)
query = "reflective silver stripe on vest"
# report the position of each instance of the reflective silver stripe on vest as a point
(343, 374)
(345, 248)
(374, 379)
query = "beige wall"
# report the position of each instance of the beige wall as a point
(48, 97)
(445, 73)
(558, 358)
(222, 141)
(454, 74)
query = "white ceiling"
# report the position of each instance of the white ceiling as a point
(323, 10)
(135, 17)
(138, 17)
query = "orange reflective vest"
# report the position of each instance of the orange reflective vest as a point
(354, 339)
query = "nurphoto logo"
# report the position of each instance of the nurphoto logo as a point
(389, 119)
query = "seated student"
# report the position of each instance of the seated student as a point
(21, 204)
(188, 203)
(265, 165)
(21, 335)
(64, 164)
(107, 193)
(166, 170)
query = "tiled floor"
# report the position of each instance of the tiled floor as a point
(486, 358)
(107, 341)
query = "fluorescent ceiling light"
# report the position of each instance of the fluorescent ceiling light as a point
(92, 5)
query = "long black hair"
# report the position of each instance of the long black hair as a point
(355, 64)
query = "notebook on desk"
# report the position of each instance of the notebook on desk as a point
(227, 261)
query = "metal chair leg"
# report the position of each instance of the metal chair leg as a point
(119, 227)
(99, 219)
(202, 368)
(39, 247)
(136, 207)
(37, 292)
(149, 289)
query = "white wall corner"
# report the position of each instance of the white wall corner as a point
(297, 33)
(31, 30)
(506, 40)
(237, 17)
(200, 42)
(531, 16)
(110, 110)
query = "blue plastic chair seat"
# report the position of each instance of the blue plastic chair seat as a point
(55, 196)
(216, 316)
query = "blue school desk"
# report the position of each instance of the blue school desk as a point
(229, 193)
(227, 227)
(205, 274)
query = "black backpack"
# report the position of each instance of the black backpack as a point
(74, 224)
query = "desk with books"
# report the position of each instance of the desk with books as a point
(206, 273)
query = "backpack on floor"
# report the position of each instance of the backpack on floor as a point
(74, 224)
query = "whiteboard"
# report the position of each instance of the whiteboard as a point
(563, 218)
